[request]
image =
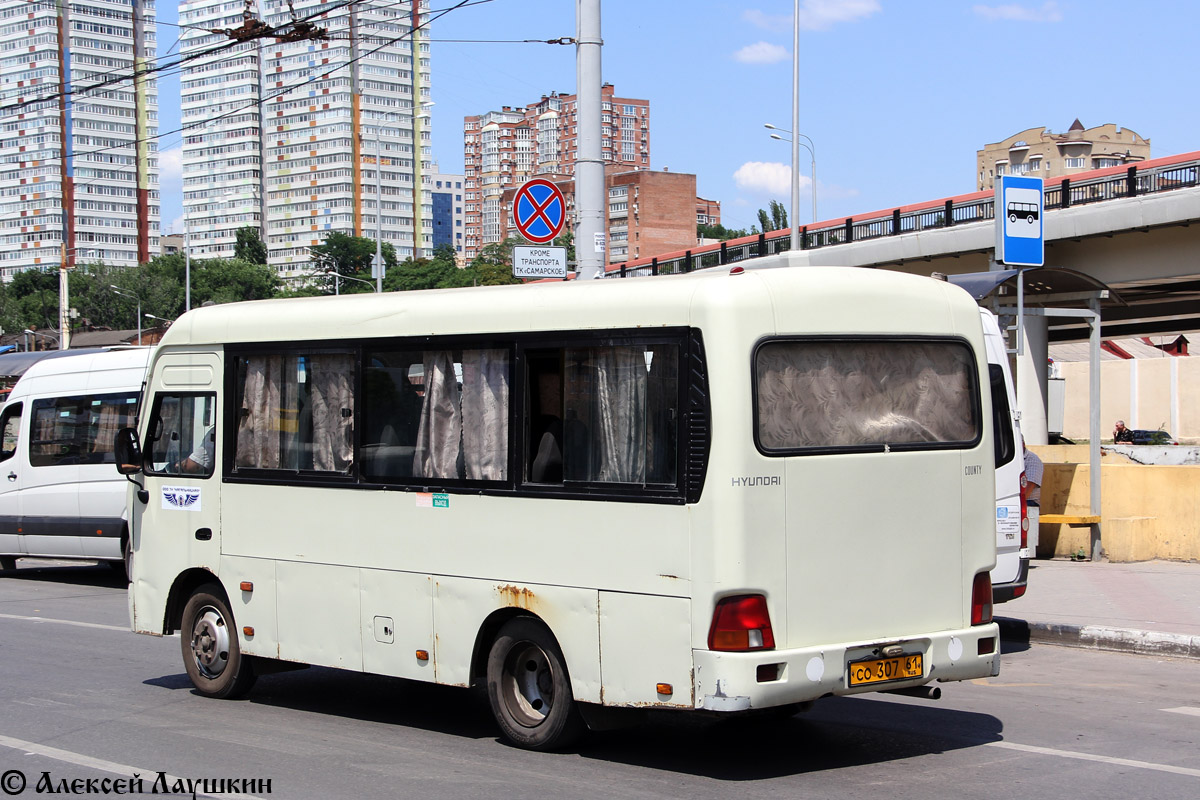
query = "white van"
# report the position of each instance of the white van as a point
(1011, 573)
(61, 497)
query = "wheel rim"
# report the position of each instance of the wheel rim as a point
(210, 642)
(527, 686)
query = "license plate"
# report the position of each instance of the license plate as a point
(880, 670)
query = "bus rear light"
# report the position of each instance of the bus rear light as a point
(987, 647)
(741, 623)
(1024, 512)
(981, 599)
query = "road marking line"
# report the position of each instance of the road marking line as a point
(1195, 712)
(67, 622)
(97, 763)
(1121, 762)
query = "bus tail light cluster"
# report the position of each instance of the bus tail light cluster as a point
(1024, 512)
(981, 599)
(740, 624)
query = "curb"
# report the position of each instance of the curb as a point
(1097, 637)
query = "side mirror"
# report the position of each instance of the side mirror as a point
(128, 452)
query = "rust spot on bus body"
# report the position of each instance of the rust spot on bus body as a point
(516, 596)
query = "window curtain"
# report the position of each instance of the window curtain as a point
(485, 414)
(258, 438)
(113, 416)
(841, 394)
(332, 382)
(439, 438)
(621, 413)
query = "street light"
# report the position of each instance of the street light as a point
(29, 332)
(115, 290)
(811, 148)
(338, 278)
(166, 322)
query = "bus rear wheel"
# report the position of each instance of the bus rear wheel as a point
(211, 653)
(529, 688)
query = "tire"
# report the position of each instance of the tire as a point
(211, 653)
(529, 688)
(8, 563)
(1029, 220)
(1012, 217)
(127, 553)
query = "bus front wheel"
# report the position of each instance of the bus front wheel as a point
(529, 688)
(211, 653)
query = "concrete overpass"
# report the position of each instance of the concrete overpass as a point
(1129, 228)
(1120, 241)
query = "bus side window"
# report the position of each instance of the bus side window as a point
(10, 429)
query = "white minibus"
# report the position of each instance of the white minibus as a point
(728, 492)
(60, 496)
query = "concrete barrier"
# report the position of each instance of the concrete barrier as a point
(1147, 511)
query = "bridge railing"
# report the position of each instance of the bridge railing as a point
(1113, 183)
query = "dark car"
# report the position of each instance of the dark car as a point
(1153, 437)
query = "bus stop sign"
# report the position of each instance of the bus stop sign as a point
(1020, 221)
(539, 210)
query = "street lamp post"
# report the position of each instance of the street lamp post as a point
(811, 148)
(115, 290)
(166, 322)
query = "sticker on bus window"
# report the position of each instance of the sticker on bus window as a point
(181, 498)
(432, 500)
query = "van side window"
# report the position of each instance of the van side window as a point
(80, 429)
(181, 437)
(436, 414)
(295, 412)
(1002, 425)
(10, 430)
(603, 414)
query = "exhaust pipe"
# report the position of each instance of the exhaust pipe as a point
(923, 692)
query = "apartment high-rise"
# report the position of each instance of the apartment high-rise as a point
(502, 149)
(78, 162)
(1038, 153)
(303, 138)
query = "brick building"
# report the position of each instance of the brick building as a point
(502, 149)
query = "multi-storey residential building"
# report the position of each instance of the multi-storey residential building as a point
(78, 163)
(502, 149)
(647, 213)
(446, 191)
(1038, 153)
(303, 138)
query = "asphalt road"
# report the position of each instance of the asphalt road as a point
(81, 697)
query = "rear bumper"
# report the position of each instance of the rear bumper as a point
(732, 682)
(1003, 592)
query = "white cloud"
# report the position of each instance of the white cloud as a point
(1049, 12)
(762, 53)
(767, 177)
(176, 225)
(816, 15)
(170, 165)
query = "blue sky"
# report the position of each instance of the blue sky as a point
(897, 95)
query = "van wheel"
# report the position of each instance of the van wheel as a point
(529, 688)
(8, 563)
(211, 653)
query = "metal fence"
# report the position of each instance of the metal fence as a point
(1135, 181)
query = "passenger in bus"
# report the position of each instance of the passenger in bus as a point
(200, 460)
(547, 430)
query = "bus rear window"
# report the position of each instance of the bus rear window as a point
(822, 395)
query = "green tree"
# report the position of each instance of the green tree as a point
(348, 256)
(720, 232)
(774, 220)
(250, 247)
(232, 280)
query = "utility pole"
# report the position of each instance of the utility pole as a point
(590, 245)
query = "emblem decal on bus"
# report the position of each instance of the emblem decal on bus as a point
(432, 500)
(181, 498)
(973, 469)
(758, 480)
